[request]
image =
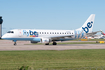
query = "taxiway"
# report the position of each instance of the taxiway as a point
(6, 45)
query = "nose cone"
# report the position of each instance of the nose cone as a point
(7, 36)
(3, 37)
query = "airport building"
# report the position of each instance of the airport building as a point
(1, 21)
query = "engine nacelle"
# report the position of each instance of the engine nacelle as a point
(36, 40)
(45, 40)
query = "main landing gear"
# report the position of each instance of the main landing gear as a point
(46, 43)
(54, 43)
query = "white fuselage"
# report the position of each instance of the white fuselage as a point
(30, 34)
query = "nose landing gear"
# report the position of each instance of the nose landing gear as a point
(14, 42)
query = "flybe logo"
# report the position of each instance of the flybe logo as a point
(89, 25)
(30, 33)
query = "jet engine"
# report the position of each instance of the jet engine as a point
(45, 40)
(36, 40)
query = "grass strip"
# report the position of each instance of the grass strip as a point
(52, 59)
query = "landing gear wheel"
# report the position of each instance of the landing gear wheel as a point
(14, 43)
(46, 43)
(54, 43)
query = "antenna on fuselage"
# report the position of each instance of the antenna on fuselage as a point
(1, 21)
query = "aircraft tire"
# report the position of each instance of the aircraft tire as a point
(54, 43)
(15, 43)
(46, 43)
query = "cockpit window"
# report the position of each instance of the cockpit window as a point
(10, 32)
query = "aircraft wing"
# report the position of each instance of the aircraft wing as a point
(58, 37)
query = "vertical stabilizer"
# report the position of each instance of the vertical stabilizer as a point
(88, 25)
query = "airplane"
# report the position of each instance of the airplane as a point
(102, 36)
(102, 33)
(47, 36)
(92, 35)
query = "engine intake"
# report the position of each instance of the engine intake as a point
(45, 40)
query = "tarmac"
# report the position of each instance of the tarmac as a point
(6, 45)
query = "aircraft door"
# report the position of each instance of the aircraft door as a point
(19, 32)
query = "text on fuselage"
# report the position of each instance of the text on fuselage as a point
(30, 33)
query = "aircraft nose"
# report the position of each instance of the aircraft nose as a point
(3, 37)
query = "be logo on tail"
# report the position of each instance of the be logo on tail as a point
(89, 25)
